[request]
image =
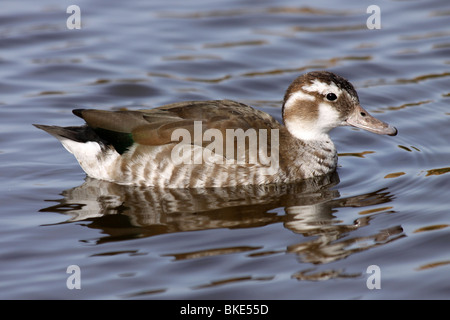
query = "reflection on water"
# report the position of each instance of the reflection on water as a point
(126, 212)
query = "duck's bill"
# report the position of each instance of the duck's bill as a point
(362, 119)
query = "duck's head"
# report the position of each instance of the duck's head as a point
(319, 101)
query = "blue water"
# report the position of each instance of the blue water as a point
(387, 206)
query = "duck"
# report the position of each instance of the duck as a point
(220, 143)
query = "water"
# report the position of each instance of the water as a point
(387, 206)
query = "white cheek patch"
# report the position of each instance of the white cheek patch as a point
(329, 117)
(322, 87)
(296, 96)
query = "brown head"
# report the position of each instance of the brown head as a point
(319, 101)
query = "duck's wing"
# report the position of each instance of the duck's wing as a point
(158, 126)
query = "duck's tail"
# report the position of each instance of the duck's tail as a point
(94, 155)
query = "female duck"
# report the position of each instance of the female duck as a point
(220, 143)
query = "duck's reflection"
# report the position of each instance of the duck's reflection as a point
(307, 208)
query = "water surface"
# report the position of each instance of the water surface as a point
(386, 206)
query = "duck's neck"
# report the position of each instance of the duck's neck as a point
(307, 132)
(306, 158)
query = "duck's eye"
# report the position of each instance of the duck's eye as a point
(331, 96)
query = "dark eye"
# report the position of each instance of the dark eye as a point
(331, 96)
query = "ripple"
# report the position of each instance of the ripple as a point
(211, 252)
(437, 172)
(431, 228)
(236, 44)
(424, 77)
(335, 28)
(227, 281)
(394, 175)
(131, 90)
(434, 265)
(228, 13)
(192, 57)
